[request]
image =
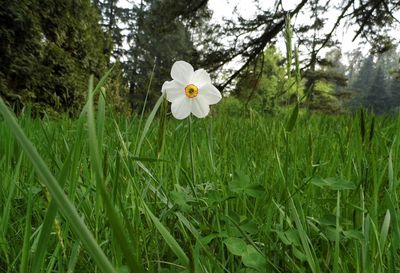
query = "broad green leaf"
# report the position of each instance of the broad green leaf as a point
(236, 246)
(293, 236)
(250, 227)
(180, 199)
(241, 184)
(328, 220)
(253, 259)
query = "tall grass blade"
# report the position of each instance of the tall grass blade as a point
(115, 221)
(168, 238)
(305, 241)
(65, 205)
(27, 234)
(293, 117)
(74, 257)
(51, 213)
(149, 120)
(384, 230)
(337, 236)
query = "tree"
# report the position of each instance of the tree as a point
(328, 83)
(182, 28)
(374, 85)
(376, 99)
(394, 91)
(309, 38)
(365, 75)
(48, 50)
(161, 35)
(252, 36)
(355, 59)
(112, 19)
(264, 85)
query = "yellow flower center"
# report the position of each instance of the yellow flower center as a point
(191, 91)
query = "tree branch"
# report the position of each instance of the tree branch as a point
(261, 42)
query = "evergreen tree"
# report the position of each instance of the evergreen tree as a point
(251, 36)
(355, 59)
(160, 36)
(376, 98)
(48, 50)
(394, 92)
(113, 18)
(327, 83)
(373, 84)
(311, 39)
(365, 76)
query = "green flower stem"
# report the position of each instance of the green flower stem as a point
(193, 182)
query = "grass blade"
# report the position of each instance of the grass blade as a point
(27, 234)
(293, 117)
(169, 239)
(384, 230)
(51, 213)
(74, 256)
(65, 205)
(148, 123)
(115, 221)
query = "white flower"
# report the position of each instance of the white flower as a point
(190, 91)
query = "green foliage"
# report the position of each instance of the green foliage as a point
(375, 85)
(325, 85)
(324, 99)
(163, 34)
(48, 49)
(112, 15)
(231, 105)
(264, 200)
(264, 85)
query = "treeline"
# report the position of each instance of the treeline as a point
(49, 48)
(375, 81)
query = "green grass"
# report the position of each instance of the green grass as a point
(262, 197)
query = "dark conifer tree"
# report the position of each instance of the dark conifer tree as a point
(48, 50)
(160, 35)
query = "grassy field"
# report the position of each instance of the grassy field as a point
(249, 194)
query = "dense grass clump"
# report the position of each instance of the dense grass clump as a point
(258, 197)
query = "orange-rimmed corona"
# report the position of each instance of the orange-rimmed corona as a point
(191, 91)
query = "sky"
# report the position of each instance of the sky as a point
(247, 8)
(224, 9)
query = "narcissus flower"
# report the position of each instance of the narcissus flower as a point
(190, 91)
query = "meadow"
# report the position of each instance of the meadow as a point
(289, 193)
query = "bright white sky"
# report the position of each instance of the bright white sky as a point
(247, 8)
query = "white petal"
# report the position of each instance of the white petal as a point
(167, 85)
(200, 107)
(173, 89)
(182, 72)
(210, 93)
(200, 78)
(181, 107)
